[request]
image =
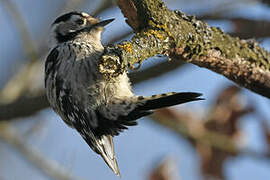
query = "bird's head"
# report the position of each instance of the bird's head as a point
(76, 24)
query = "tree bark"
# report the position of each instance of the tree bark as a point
(159, 30)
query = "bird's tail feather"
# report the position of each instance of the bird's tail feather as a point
(147, 104)
(165, 100)
(104, 143)
(106, 150)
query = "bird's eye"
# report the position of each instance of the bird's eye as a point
(79, 22)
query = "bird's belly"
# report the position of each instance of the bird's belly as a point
(104, 92)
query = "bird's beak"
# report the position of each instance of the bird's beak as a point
(98, 25)
(104, 23)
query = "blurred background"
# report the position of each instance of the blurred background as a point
(226, 136)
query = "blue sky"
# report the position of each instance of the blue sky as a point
(141, 147)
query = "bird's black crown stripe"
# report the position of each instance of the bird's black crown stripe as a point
(66, 17)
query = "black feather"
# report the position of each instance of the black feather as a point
(133, 115)
(112, 127)
(64, 38)
(50, 64)
(178, 98)
(66, 17)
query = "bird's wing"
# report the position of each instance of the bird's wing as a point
(50, 63)
(52, 83)
(74, 110)
(87, 122)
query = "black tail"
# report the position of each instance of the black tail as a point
(166, 100)
(145, 105)
(148, 104)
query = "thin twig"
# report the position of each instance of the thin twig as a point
(103, 6)
(49, 167)
(14, 88)
(210, 138)
(27, 42)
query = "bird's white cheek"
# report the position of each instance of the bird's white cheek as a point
(97, 35)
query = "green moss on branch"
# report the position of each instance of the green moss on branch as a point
(162, 31)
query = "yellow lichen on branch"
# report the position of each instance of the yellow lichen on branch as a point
(154, 33)
(127, 47)
(174, 34)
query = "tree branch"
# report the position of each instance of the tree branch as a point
(23, 107)
(198, 133)
(161, 31)
(243, 27)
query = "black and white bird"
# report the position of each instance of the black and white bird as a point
(96, 107)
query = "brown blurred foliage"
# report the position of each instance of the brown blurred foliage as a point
(216, 136)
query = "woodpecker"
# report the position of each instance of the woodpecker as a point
(96, 107)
